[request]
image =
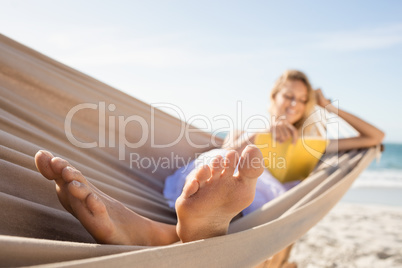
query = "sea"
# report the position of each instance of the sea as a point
(381, 182)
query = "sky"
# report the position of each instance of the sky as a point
(214, 58)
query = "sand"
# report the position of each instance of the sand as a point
(353, 235)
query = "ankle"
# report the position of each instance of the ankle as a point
(161, 233)
(201, 231)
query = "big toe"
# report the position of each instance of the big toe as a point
(251, 164)
(43, 164)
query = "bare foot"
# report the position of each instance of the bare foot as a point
(215, 195)
(106, 219)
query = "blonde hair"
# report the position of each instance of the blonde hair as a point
(294, 75)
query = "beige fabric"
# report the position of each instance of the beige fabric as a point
(36, 94)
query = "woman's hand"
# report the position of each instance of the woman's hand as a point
(368, 136)
(282, 130)
(321, 100)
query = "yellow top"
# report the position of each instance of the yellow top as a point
(287, 161)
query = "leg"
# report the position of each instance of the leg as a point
(215, 194)
(106, 219)
(279, 260)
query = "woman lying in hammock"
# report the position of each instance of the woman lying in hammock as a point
(292, 103)
(213, 194)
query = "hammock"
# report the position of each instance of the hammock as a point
(37, 94)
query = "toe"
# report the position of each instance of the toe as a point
(70, 174)
(230, 162)
(251, 162)
(96, 206)
(216, 166)
(78, 190)
(43, 164)
(203, 174)
(86, 196)
(197, 181)
(58, 164)
(190, 188)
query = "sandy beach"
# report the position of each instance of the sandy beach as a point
(353, 235)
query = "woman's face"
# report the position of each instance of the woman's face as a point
(291, 101)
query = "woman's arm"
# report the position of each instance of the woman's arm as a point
(281, 131)
(369, 135)
(238, 141)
